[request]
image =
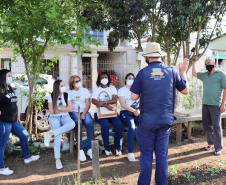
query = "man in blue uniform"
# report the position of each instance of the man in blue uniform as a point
(155, 85)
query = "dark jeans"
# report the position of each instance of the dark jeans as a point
(154, 138)
(130, 123)
(211, 120)
(116, 122)
(88, 122)
(18, 130)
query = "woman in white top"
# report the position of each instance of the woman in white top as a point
(81, 96)
(125, 100)
(59, 104)
(107, 99)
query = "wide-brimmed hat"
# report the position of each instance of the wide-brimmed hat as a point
(153, 50)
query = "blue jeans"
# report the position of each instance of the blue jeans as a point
(88, 122)
(130, 123)
(18, 130)
(155, 137)
(58, 130)
(116, 122)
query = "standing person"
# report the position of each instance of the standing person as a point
(214, 82)
(10, 121)
(81, 96)
(59, 104)
(155, 85)
(125, 101)
(105, 95)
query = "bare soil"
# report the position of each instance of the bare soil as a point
(118, 170)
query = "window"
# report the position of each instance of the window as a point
(96, 35)
(54, 68)
(6, 63)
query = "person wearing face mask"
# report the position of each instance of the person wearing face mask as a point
(59, 104)
(105, 95)
(213, 103)
(10, 121)
(125, 101)
(81, 96)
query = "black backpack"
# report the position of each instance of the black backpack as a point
(65, 97)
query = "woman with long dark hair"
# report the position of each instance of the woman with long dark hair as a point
(10, 121)
(130, 118)
(105, 95)
(81, 96)
(59, 104)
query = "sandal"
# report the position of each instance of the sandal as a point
(118, 152)
(217, 152)
(208, 148)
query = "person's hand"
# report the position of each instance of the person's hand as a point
(196, 58)
(183, 67)
(0, 112)
(18, 120)
(100, 103)
(110, 107)
(137, 112)
(83, 116)
(222, 108)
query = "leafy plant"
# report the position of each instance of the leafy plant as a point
(222, 162)
(197, 164)
(213, 171)
(173, 169)
(188, 176)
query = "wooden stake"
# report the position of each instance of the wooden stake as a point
(95, 159)
(78, 144)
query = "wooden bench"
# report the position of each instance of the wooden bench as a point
(190, 116)
(185, 116)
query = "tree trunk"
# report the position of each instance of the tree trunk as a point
(35, 119)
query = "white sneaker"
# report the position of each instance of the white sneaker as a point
(118, 153)
(6, 171)
(82, 156)
(47, 139)
(131, 157)
(89, 153)
(58, 164)
(33, 158)
(108, 152)
(66, 146)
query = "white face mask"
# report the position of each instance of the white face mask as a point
(129, 82)
(9, 80)
(104, 81)
(63, 89)
(78, 85)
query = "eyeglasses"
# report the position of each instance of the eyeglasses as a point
(77, 81)
(60, 104)
(130, 78)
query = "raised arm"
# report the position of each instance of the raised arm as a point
(182, 69)
(194, 71)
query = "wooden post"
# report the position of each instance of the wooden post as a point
(78, 144)
(95, 159)
(189, 129)
(71, 140)
(224, 122)
(178, 132)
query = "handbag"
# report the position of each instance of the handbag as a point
(103, 112)
(135, 106)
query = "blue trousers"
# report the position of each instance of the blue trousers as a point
(18, 130)
(154, 137)
(116, 122)
(60, 125)
(130, 123)
(88, 122)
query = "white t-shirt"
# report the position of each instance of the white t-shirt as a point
(126, 93)
(79, 98)
(111, 90)
(58, 102)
